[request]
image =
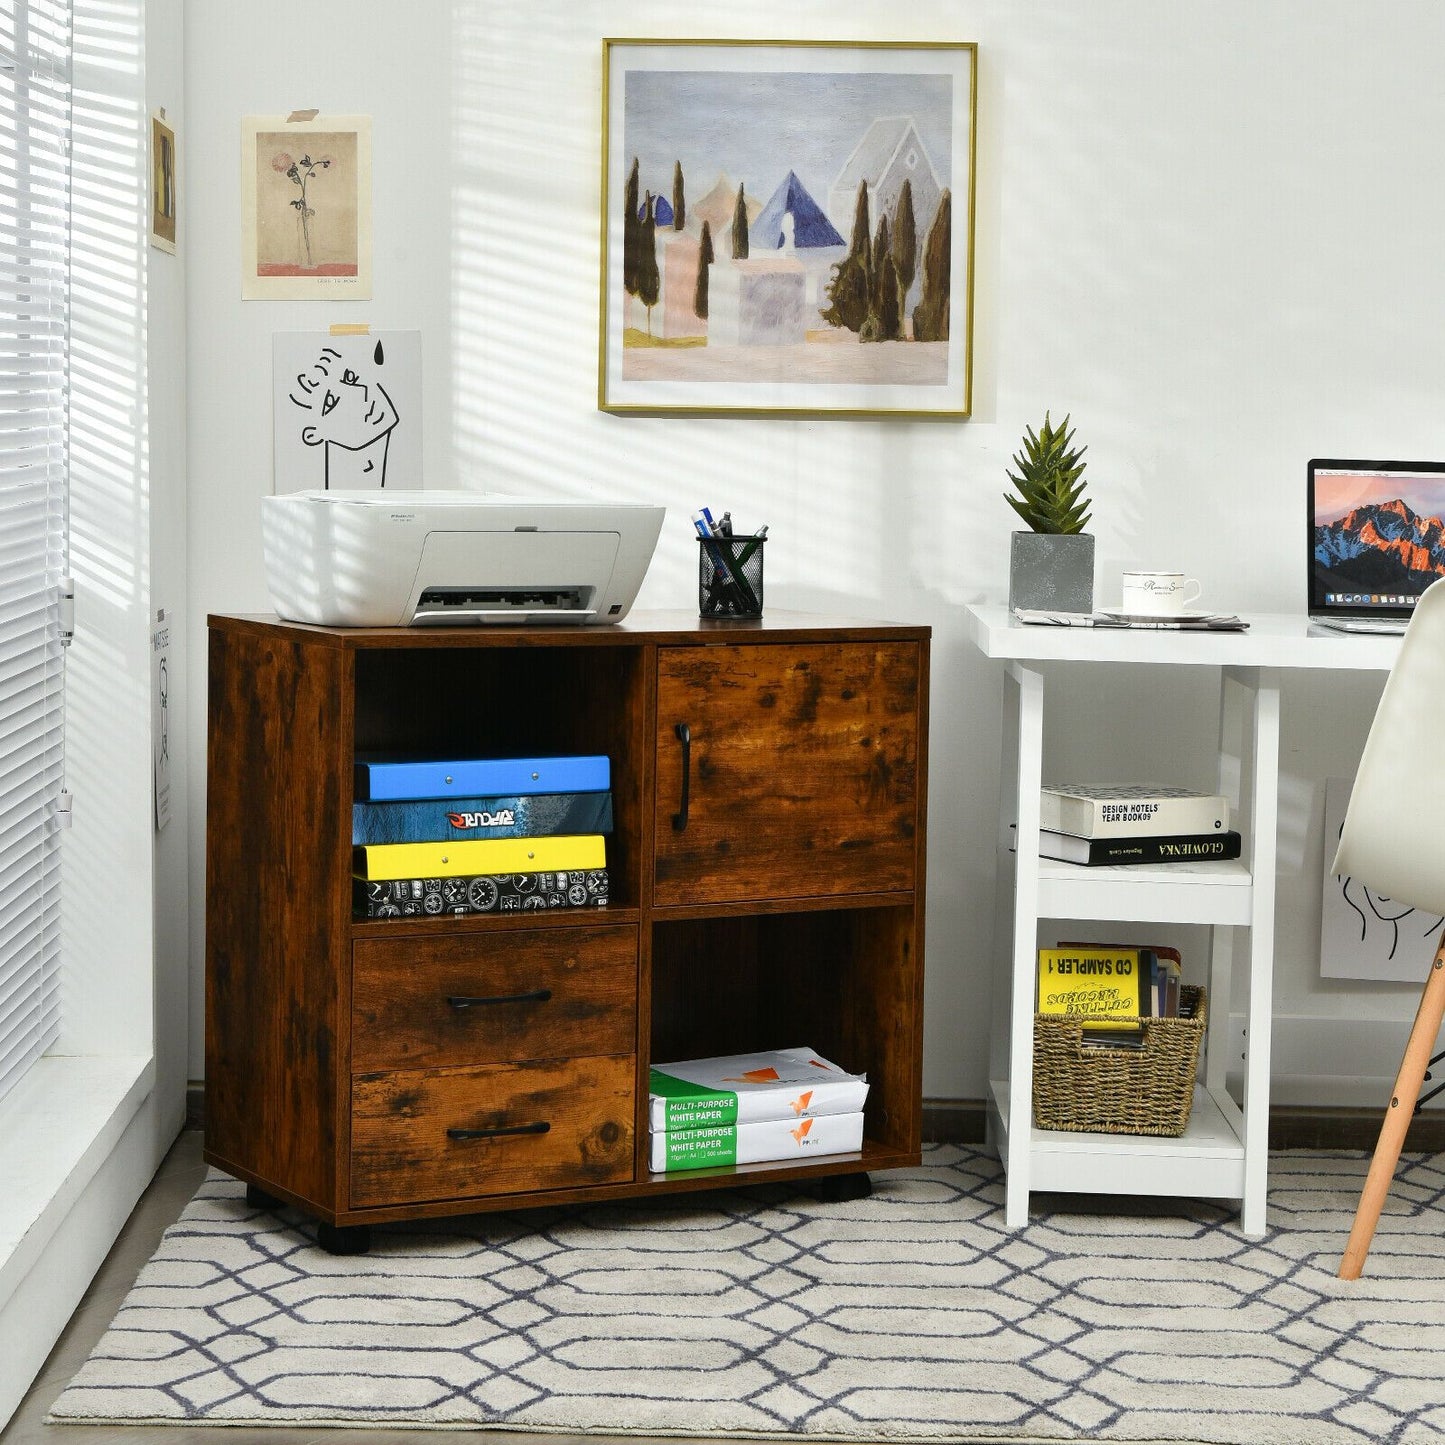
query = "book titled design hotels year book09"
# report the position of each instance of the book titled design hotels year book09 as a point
(1127, 811)
(1163, 848)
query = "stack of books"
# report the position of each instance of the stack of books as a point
(479, 835)
(1110, 989)
(745, 1108)
(1128, 824)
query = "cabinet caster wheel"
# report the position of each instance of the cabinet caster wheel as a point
(344, 1238)
(840, 1188)
(257, 1198)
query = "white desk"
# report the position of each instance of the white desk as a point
(1224, 1152)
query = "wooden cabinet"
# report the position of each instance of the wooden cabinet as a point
(766, 869)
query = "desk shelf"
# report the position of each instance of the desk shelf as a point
(1206, 1161)
(1216, 893)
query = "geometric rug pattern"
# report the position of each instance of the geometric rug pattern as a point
(911, 1315)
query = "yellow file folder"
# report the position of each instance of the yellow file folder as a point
(480, 855)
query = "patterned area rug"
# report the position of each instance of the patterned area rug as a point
(913, 1315)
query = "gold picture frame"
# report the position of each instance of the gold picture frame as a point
(164, 171)
(747, 188)
(306, 207)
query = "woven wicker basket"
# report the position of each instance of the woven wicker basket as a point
(1119, 1091)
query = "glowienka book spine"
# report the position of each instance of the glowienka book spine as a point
(427, 820)
(1127, 812)
(767, 1140)
(483, 893)
(1163, 848)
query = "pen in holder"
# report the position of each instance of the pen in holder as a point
(730, 576)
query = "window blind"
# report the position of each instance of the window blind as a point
(34, 304)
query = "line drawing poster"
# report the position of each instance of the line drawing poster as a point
(1364, 934)
(346, 410)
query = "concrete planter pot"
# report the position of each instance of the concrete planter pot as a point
(1051, 572)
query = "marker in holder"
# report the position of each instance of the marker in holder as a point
(730, 576)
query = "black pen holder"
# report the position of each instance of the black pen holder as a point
(730, 576)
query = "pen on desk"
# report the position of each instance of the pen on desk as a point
(752, 545)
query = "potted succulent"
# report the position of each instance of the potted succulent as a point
(1051, 566)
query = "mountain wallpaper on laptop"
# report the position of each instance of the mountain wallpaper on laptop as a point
(1384, 547)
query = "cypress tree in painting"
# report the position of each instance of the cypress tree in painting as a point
(930, 316)
(905, 244)
(631, 233)
(885, 300)
(679, 205)
(849, 288)
(704, 260)
(648, 279)
(740, 226)
(858, 244)
(873, 328)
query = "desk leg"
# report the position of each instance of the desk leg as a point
(1259, 798)
(1021, 780)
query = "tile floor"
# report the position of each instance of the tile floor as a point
(178, 1178)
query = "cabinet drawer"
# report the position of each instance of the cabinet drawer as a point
(493, 998)
(801, 771)
(553, 1124)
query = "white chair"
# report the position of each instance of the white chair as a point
(1393, 840)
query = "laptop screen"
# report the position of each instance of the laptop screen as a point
(1376, 536)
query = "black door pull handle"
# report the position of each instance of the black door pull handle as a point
(461, 1000)
(684, 736)
(540, 1127)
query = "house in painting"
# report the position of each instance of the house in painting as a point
(794, 223)
(716, 208)
(889, 153)
(758, 301)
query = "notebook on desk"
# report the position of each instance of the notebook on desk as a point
(1376, 541)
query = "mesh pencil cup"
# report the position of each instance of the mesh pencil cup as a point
(730, 576)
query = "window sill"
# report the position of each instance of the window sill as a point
(58, 1126)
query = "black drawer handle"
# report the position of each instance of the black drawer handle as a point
(540, 1127)
(684, 736)
(537, 995)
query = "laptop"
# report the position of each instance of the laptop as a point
(1376, 541)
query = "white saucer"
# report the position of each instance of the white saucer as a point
(1190, 614)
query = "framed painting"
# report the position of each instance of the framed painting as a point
(787, 228)
(306, 208)
(163, 183)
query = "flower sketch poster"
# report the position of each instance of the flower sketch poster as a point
(306, 208)
(1363, 933)
(346, 410)
(787, 227)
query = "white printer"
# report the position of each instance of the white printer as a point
(396, 559)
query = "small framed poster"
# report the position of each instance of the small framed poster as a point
(306, 208)
(163, 182)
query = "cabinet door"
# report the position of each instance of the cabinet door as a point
(800, 771)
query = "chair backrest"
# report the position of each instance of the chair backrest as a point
(1394, 833)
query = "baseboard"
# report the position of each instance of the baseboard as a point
(963, 1121)
(1291, 1126)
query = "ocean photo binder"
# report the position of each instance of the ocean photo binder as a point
(430, 820)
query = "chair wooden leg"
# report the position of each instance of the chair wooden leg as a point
(1397, 1116)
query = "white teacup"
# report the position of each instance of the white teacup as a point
(1161, 594)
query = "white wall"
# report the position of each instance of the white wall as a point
(1209, 233)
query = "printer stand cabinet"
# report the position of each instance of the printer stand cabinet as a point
(766, 876)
